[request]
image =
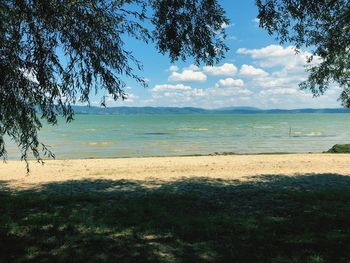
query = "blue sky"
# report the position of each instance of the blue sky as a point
(257, 71)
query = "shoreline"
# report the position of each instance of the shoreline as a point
(159, 170)
(172, 156)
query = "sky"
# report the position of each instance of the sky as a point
(257, 72)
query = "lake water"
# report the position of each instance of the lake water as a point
(168, 135)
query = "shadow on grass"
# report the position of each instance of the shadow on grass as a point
(273, 218)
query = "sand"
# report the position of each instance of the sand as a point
(165, 169)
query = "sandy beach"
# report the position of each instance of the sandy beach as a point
(165, 169)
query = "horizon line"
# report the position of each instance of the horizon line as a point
(222, 108)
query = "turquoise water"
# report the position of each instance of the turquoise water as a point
(166, 135)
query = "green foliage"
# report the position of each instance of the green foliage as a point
(322, 25)
(340, 148)
(53, 54)
(189, 27)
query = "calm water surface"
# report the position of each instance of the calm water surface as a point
(165, 135)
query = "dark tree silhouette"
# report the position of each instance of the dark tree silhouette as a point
(321, 25)
(53, 54)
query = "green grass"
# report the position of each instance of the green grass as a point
(273, 219)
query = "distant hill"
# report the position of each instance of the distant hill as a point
(191, 110)
(240, 108)
(137, 110)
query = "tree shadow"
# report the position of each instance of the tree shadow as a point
(270, 218)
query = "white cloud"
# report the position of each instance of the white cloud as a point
(173, 68)
(188, 76)
(285, 66)
(199, 93)
(229, 93)
(226, 69)
(166, 87)
(269, 78)
(110, 102)
(279, 80)
(225, 25)
(276, 55)
(130, 97)
(230, 82)
(256, 21)
(192, 67)
(225, 93)
(250, 71)
(274, 51)
(243, 92)
(280, 91)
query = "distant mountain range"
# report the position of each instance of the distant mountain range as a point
(191, 110)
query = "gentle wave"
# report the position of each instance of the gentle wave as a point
(156, 133)
(100, 144)
(192, 129)
(313, 134)
(263, 127)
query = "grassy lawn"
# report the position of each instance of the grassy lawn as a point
(270, 219)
